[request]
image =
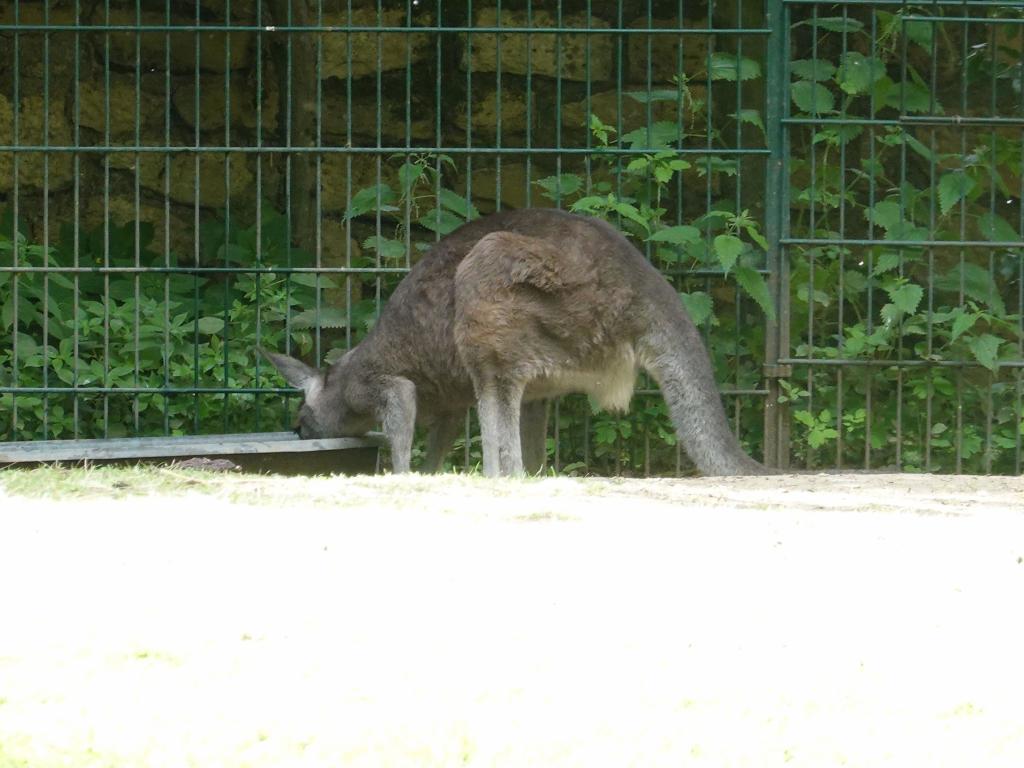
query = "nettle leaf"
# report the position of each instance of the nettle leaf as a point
(599, 129)
(312, 280)
(881, 92)
(837, 24)
(756, 236)
(235, 254)
(838, 134)
(715, 164)
(26, 346)
(371, 199)
(325, 317)
(210, 325)
(683, 234)
(885, 214)
(754, 284)
(727, 66)
(698, 305)
(886, 262)
(387, 247)
(890, 314)
(917, 146)
(441, 221)
(905, 296)
(812, 69)
(962, 322)
(812, 98)
(749, 117)
(818, 296)
(632, 213)
(805, 417)
(458, 204)
(590, 204)
(657, 94)
(904, 230)
(913, 97)
(638, 165)
(977, 283)
(920, 32)
(727, 248)
(657, 135)
(669, 255)
(995, 227)
(953, 187)
(855, 282)
(819, 436)
(563, 185)
(715, 218)
(834, 24)
(408, 175)
(857, 72)
(985, 349)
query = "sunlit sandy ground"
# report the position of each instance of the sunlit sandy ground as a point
(225, 621)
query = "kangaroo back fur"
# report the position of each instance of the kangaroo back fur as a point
(507, 311)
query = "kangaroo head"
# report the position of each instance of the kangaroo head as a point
(325, 411)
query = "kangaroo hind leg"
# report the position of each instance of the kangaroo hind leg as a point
(498, 405)
(533, 434)
(440, 436)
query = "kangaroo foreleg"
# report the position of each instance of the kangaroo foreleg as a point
(398, 419)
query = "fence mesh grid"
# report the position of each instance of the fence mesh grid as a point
(834, 187)
(902, 245)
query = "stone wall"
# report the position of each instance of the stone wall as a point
(210, 89)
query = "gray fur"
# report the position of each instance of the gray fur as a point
(507, 311)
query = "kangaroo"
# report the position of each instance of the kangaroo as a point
(505, 312)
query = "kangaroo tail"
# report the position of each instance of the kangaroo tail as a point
(673, 352)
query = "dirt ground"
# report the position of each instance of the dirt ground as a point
(162, 617)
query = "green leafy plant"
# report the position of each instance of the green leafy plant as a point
(175, 329)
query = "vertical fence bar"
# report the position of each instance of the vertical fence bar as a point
(166, 349)
(318, 179)
(932, 228)
(229, 278)
(776, 331)
(137, 231)
(258, 224)
(76, 176)
(1019, 380)
(15, 190)
(196, 220)
(46, 222)
(106, 221)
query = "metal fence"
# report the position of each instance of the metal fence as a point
(900, 250)
(834, 187)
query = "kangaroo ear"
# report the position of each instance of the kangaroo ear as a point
(295, 372)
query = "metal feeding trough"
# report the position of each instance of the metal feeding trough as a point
(281, 452)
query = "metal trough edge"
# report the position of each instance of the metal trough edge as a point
(42, 451)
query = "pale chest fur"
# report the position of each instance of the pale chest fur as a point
(610, 379)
